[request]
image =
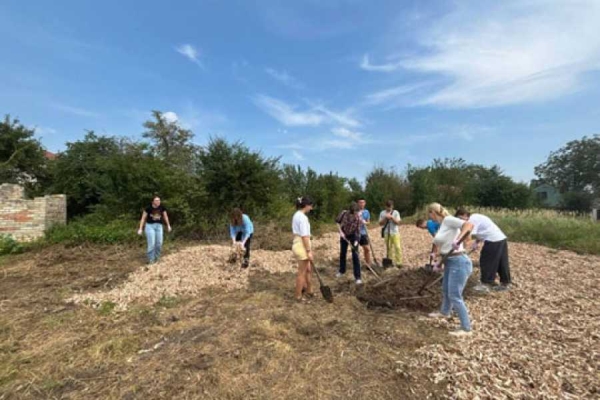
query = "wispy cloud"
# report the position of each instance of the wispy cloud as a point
(389, 67)
(507, 53)
(285, 78)
(80, 112)
(191, 53)
(287, 114)
(398, 95)
(338, 117)
(352, 136)
(44, 130)
(297, 155)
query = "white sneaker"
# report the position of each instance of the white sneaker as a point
(339, 275)
(482, 288)
(358, 282)
(460, 333)
(436, 314)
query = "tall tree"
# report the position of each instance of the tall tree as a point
(22, 158)
(169, 140)
(574, 167)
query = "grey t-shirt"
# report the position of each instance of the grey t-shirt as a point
(391, 228)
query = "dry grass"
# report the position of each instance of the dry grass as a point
(184, 336)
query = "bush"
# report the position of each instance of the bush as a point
(8, 245)
(91, 229)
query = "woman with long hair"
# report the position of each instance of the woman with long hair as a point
(458, 268)
(151, 223)
(241, 231)
(301, 247)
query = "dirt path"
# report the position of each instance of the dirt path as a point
(196, 327)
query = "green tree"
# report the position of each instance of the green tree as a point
(22, 157)
(382, 185)
(235, 176)
(170, 141)
(574, 167)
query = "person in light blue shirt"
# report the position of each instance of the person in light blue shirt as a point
(365, 218)
(431, 226)
(241, 231)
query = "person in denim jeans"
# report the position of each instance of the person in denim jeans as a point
(458, 266)
(153, 217)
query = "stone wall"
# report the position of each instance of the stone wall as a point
(26, 219)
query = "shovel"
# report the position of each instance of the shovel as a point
(372, 251)
(387, 261)
(325, 290)
(355, 248)
(431, 282)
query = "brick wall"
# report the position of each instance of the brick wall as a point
(26, 219)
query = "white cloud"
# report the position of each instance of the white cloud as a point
(389, 67)
(507, 52)
(75, 110)
(297, 155)
(285, 78)
(340, 118)
(348, 134)
(170, 116)
(44, 130)
(191, 53)
(396, 95)
(286, 114)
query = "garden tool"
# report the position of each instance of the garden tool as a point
(325, 290)
(429, 283)
(355, 248)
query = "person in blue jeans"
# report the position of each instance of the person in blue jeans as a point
(152, 224)
(241, 231)
(458, 266)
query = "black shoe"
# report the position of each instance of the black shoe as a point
(245, 263)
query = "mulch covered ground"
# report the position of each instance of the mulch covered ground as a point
(540, 340)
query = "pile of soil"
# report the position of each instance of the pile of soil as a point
(400, 291)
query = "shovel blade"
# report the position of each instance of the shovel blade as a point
(388, 263)
(327, 294)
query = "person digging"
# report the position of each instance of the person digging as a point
(348, 222)
(241, 231)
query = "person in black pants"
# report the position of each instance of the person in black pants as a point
(349, 227)
(494, 254)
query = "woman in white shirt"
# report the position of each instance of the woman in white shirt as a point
(301, 246)
(458, 266)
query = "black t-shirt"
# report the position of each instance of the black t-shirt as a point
(155, 215)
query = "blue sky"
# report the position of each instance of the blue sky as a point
(339, 85)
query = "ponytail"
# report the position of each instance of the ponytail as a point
(437, 208)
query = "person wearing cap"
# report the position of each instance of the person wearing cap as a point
(493, 259)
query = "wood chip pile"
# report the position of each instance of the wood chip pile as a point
(186, 273)
(540, 340)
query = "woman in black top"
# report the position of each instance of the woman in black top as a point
(153, 217)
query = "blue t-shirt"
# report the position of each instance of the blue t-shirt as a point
(366, 216)
(247, 228)
(433, 227)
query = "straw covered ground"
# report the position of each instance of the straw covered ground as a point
(93, 323)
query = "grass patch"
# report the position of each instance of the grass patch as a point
(558, 230)
(168, 302)
(106, 307)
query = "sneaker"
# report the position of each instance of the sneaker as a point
(501, 288)
(460, 333)
(437, 314)
(358, 282)
(482, 288)
(339, 275)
